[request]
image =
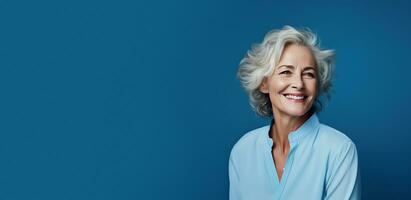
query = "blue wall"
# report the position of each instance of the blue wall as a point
(139, 100)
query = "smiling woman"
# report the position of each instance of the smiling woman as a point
(295, 157)
(285, 86)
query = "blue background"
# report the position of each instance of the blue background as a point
(139, 100)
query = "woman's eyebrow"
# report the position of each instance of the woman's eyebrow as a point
(287, 66)
(309, 67)
(292, 67)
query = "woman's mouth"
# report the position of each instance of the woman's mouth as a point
(295, 97)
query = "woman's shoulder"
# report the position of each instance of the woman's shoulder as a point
(249, 140)
(333, 139)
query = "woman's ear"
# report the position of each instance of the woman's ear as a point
(264, 86)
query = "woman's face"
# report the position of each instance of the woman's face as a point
(293, 85)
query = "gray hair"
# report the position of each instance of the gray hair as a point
(261, 60)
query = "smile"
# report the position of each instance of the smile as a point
(295, 98)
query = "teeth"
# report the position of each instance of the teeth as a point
(294, 97)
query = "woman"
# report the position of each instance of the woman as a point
(296, 157)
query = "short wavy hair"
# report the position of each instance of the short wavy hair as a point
(261, 60)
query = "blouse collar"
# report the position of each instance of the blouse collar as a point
(308, 127)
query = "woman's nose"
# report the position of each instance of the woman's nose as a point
(297, 82)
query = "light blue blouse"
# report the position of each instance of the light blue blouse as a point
(322, 164)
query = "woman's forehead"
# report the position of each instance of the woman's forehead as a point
(295, 55)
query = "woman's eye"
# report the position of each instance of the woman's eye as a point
(311, 75)
(285, 72)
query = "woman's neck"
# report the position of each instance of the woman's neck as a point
(284, 124)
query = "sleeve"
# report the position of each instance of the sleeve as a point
(234, 180)
(344, 180)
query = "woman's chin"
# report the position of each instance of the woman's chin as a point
(296, 112)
